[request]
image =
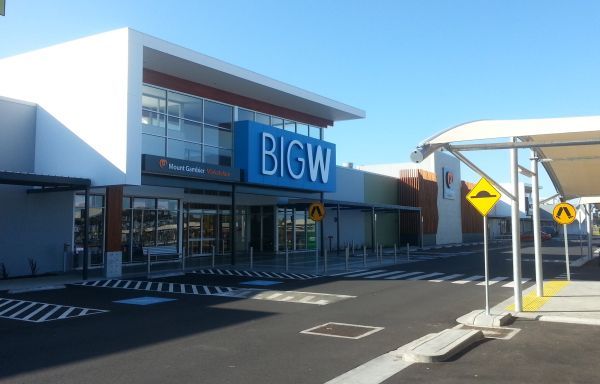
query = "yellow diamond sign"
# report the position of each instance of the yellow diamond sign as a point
(483, 196)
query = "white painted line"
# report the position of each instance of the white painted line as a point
(106, 283)
(11, 308)
(248, 273)
(346, 273)
(494, 280)
(66, 313)
(84, 312)
(137, 285)
(468, 279)
(219, 289)
(446, 278)
(238, 273)
(127, 285)
(170, 287)
(395, 277)
(306, 299)
(267, 274)
(383, 274)
(206, 290)
(159, 289)
(274, 295)
(194, 289)
(95, 283)
(22, 310)
(512, 283)
(36, 312)
(287, 276)
(287, 298)
(50, 313)
(423, 277)
(365, 273)
(322, 302)
(182, 288)
(229, 272)
(148, 286)
(6, 302)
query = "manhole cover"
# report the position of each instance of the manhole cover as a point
(346, 331)
(503, 333)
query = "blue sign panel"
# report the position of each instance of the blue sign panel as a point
(272, 156)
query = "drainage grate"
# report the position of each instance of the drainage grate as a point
(502, 333)
(346, 331)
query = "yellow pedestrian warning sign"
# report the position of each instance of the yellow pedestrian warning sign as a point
(564, 213)
(316, 211)
(483, 196)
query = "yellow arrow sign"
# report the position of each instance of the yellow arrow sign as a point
(483, 196)
(316, 211)
(564, 213)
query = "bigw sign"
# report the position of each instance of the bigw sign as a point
(272, 156)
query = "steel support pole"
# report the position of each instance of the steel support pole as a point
(537, 242)
(516, 229)
(373, 224)
(567, 261)
(590, 229)
(232, 225)
(486, 266)
(86, 236)
(322, 227)
(338, 230)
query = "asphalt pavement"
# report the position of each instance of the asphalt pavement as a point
(215, 331)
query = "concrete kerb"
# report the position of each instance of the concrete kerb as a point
(479, 318)
(437, 347)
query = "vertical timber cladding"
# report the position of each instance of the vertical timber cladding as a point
(471, 219)
(418, 188)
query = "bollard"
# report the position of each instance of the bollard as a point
(213, 256)
(251, 257)
(364, 255)
(347, 255)
(407, 251)
(395, 256)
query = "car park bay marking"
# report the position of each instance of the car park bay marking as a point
(37, 312)
(316, 298)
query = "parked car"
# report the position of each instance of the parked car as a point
(528, 236)
(552, 231)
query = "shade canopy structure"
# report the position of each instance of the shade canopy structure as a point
(568, 148)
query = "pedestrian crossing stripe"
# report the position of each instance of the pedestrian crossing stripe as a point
(158, 286)
(242, 273)
(316, 298)
(434, 277)
(38, 312)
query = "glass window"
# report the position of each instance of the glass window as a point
(277, 122)
(218, 114)
(154, 99)
(217, 137)
(184, 130)
(168, 204)
(126, 202)
(244, 114)
(290, 126)
(184, 106)
(217, 156)
(153, 145)
(263, 119)
(315, 132)
(153, 123)
(302, 129)
(183, 150)
(141, 203)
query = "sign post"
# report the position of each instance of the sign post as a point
(483, 197)
(565, 213)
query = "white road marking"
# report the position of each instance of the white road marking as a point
(383, 274)
(468, 279)
(494, 280)
(365, 273)
(422, 277)
(446, 278)
(395, 277)
(512, 283)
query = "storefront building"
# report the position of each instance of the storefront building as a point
(182, 157)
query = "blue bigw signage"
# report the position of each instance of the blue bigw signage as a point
(274, 157)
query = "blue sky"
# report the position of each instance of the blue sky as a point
(416, 67)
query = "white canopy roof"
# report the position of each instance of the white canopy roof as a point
(571, 143)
